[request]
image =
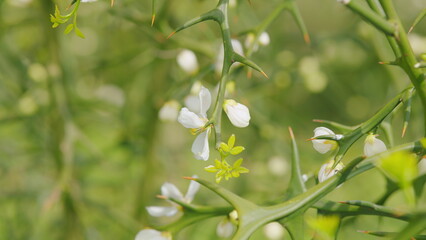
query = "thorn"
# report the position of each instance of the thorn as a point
(310, 139)
(307, 38)
(343, 202)
(382, 63)
(249, 73)
(189, 178)
(411, 29)
(161, 197)
(264, 74)
(152, 20)
(171, 34)
(317, 120)
(404, 129)
(363, 231)
(291, 132)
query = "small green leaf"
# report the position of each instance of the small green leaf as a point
(400, 167)
(231, 141)
(78, 32)
(237, 150)
(224, 147)
(69, 28)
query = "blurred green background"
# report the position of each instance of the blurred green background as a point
(82, 151)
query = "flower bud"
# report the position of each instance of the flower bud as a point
(324, 145)
(238, 114)
(327, 172)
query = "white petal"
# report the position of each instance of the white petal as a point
(238, 48)
(373, 146)
(327, 172)
(150, 234)
(189, 119)
(192, 190)
(161, 211)
(192, 102)
(205, 101)
(187, 61)
(171, 191)
(264, 39)
(200, 147)
(169, 111)
(238, 114)
(321, 131)
(225, 228)
(321, 145)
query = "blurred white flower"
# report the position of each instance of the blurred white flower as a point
(418, 43)
(278, 165)
(195, 118)
(169, 111)
(151, 234)
(188, 61)
(232, 3)
(88, 1)
(327, 172)
(273, 230)
(422, 166)
(238, 114)
(373, 145)
(225, 228)
(238, 48)
(262, 40)
(324, 145)
(169, 190)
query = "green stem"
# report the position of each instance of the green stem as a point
(408, 60)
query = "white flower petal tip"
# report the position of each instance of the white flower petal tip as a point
(324, 145)
(373, 146)
(238, 114)
(192, 190)
(169, 190)
(169, 111)
(187, 61)
(200, 147)
(151, 234)
(225, 228)
(327, 172)
(189, 119)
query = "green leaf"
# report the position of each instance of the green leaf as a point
(237, 150)
(69, 28)
(78, 32)
(231, 141)
(400, 167)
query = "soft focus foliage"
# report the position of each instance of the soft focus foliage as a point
(82, 146)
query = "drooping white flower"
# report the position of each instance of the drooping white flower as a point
(373, 145)
(238, 48)
(264, 39)
(324, 145)
(327, 172)
(225, 228)
(169, 111)
(195, 118)
(169, 190)
(238, 113)
(151, 234)
(187, 60)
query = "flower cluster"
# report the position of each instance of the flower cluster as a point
(194, 117)
(222, 168)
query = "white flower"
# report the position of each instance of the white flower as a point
(195, 118)
(171, 191)
(324, 145)
(151, 234)
(225, 228)
(238, 48)
(373, 145)
(262, 40)
(273, 230)
(238, 114)
(88, 1)
(327, 172)
(188, 61)
(169, 111)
